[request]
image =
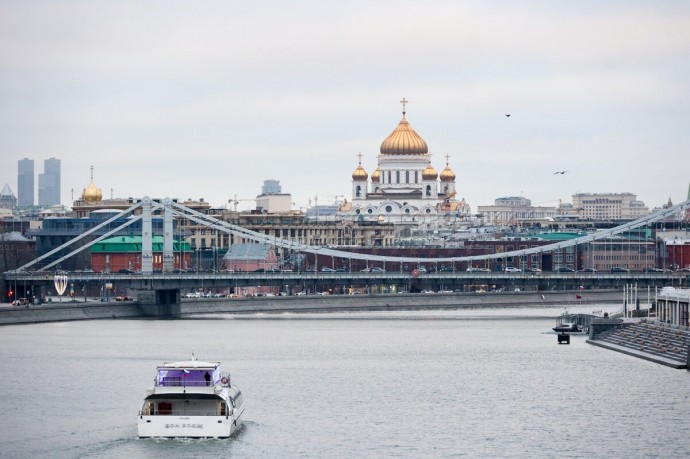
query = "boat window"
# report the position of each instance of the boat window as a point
(185, 377)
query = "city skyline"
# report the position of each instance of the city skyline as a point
(192, 103)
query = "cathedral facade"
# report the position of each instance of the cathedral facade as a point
(404, 187)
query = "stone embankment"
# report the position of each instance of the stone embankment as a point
(654, 341)
(57, 312)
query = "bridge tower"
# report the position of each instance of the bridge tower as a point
(168, 256)
(146, 236)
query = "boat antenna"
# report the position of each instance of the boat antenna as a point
(193, 357)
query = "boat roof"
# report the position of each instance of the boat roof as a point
(189, 364)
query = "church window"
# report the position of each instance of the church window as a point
(407, 211)
(357, 212)
(358, 193)
(389, 177)
(407, 176)
(389, 209)
(369, 211)
(428, 211)
(416, 176)
(428, 190)
(397, 176)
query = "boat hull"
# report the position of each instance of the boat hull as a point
(187, 426)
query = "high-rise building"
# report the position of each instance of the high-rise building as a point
(7, 199)
(25, 182)
(49, 183)
(271, 187)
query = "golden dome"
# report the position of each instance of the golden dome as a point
(360, 173)
(447, 175)
(429, 173)
(376, 175)
(92, 193)
(404, 141)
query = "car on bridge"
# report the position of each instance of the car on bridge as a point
(377, 269)
(512, 269)
(587, 270)
(619, 269)
(326, 269)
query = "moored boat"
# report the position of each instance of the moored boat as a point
(567, 327)
(191, 399)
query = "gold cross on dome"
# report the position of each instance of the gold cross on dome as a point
(404, 104)
(359, 155)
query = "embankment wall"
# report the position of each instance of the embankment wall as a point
(57, 312)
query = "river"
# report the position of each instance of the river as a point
(466, 383)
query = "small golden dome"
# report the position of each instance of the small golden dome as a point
(404, 141)
(447, 175)
(376, 175)
(360, 173)
(92, 193)
(429, 173)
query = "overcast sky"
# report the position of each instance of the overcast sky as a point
(207, 99)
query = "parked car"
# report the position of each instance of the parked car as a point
(326, 269)
(653, 270)
(533, 270)
(365, 270)
(478, 270)
(565, 269)
(512, 269)
(619, 269)
(588, 270)
(377, 269)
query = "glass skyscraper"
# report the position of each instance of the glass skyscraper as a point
(25, 182)
(49, 183)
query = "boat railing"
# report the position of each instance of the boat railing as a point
(186, 412)
(173, 381)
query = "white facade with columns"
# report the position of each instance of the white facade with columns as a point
(405, 187)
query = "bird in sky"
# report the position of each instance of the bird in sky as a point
(507, 115)
(559, 172)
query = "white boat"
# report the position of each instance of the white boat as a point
(191, 399)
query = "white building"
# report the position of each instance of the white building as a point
(514, 210)
(405, 187)
(609, 206)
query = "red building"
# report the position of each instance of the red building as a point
(124, 252)
(678, 253)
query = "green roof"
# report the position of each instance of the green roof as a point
(132, 244)
(560, 236)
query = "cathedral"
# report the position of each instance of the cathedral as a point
(405, 187)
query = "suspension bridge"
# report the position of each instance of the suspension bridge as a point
(160, 291)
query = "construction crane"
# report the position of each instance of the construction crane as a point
(236, 201)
